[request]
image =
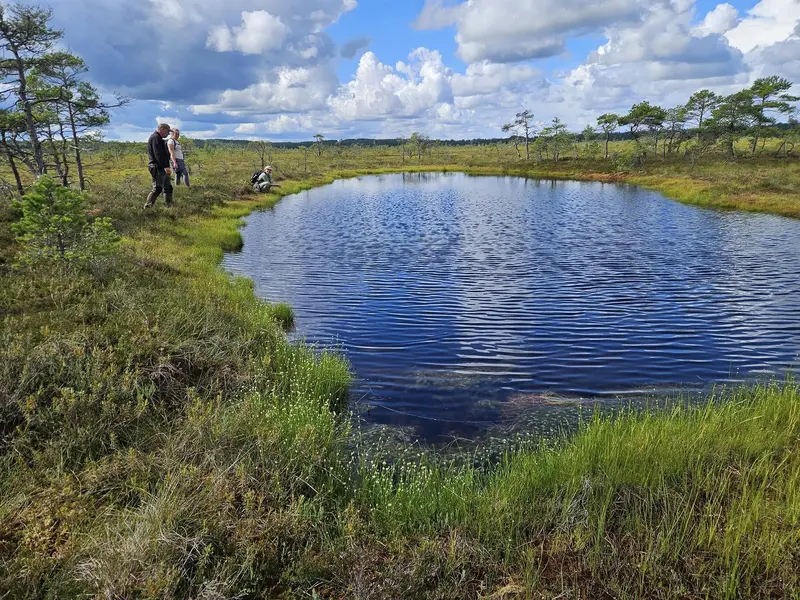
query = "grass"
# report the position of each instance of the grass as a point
(700, 501)
(161, 438)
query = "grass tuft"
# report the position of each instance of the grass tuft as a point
(284, 315)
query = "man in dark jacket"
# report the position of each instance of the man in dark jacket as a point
(159, 166)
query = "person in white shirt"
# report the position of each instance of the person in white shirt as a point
(176, 156)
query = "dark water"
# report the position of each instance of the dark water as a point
(461, 301)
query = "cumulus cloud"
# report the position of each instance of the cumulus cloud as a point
(768, 22)
(664, 41)
(259, 32)
(188, 51)
(408, 89)
(484, 78)
(781, 58)
(281, 125)
(436, 15)
(171, 121)
(354, 46)
(286, 124)
(286, 90)
(663, 59)
(722, 19)
(512, 30)
(421, 93)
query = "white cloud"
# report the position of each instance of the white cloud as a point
(484, 78)
(247, 128)
(768, 22)
(449, 114)
(722, 19)
(280, 125)
(663, 59)
(284, 90)
(171, 121)
(286, 124)
(782, 58)
(178, 13)
(379, 90)
(664, 41)
(436, 15)
(131, 46)
(511, 30)
(259, 32)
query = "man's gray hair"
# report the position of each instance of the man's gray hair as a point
(163, 126)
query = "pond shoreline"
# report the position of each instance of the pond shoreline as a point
(696, 190)
(683, 463)
(409, 253)
(187, 448)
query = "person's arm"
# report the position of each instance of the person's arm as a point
(163, 158)
(151, 151)
(171, 148)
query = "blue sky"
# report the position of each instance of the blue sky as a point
(448, 68)
(389, 25)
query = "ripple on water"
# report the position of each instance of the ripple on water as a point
(454, 295)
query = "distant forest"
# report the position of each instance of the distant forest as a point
(619, 136)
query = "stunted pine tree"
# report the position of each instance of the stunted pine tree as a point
(54, 226)
(516, 135)
(401, 141)
(26, 40)
(608, 123)
(261, 148)
(75, 102)
(419, 142)
(769, 96)
(735, 115)
(12, 126)
(699, 108)
(560, 137)
(644, 117)
(522, 125)
(674, 124)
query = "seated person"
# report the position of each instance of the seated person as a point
(264, 181)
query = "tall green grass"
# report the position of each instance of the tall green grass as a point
(695, 502)
(161, 438)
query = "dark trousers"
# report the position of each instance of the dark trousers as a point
(161, 183)
(181, 172)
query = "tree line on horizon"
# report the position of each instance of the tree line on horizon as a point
(708, 119)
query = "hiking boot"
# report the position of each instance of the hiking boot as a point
(168, 200)
(151, 200)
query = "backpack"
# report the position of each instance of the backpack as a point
(255, 177)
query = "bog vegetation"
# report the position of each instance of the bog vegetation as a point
(161, 438)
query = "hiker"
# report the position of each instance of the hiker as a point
(263, 182)
(176, 154)
(159, 166)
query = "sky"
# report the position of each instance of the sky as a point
(286, 70)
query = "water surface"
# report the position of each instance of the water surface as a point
(460, 299)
